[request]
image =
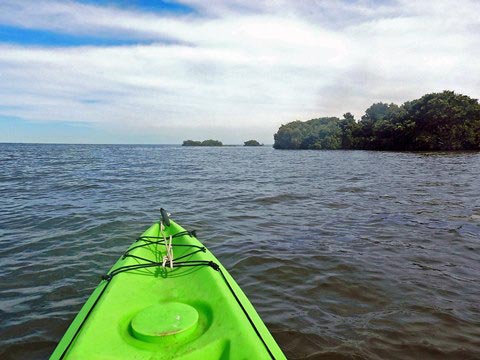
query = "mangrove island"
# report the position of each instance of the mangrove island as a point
(435, 122)
(252, 143)
(209, 142)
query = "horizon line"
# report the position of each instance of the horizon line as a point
(75, 143)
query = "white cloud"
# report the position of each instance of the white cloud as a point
(248, 66)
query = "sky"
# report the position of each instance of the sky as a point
(119, 71)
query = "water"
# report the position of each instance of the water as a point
(345, 255)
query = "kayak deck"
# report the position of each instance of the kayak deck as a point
(146, 309)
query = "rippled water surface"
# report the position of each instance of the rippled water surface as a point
(345, 255)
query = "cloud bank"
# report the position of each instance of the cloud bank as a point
(233, 69)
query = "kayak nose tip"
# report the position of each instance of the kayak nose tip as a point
(165, 321)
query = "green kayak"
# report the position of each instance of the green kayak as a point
(167, 297)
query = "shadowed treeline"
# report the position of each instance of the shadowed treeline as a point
(209, 142)
(438, 121)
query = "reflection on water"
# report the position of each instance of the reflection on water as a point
(346, 255)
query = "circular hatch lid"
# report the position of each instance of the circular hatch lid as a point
(164, 320)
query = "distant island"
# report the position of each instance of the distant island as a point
(209, 142)
(252, 143)
(435, 122)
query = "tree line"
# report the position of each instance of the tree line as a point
(435, 122)
(252, 143)
(209, 142)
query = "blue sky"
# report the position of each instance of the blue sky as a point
(164, 71)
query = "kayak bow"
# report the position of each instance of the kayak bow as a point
(167, 297)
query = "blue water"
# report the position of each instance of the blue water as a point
(345, 255)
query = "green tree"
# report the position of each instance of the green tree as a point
(191, 143)
(348, 126)
(289, 136)
(321, 133)
(374, 130)
(252, 143)
(211, 142)
(444, 121)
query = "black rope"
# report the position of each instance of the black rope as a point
(159, 264)
(137, 257)
(203, 249)
(180, 233)
(159, 243)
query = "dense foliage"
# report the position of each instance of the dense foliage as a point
(437, 121)
(323, 133)
(252, 143)
(209, 142)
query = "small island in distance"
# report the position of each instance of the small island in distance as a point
(435, 122)
(209, 142)
(252, 143)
